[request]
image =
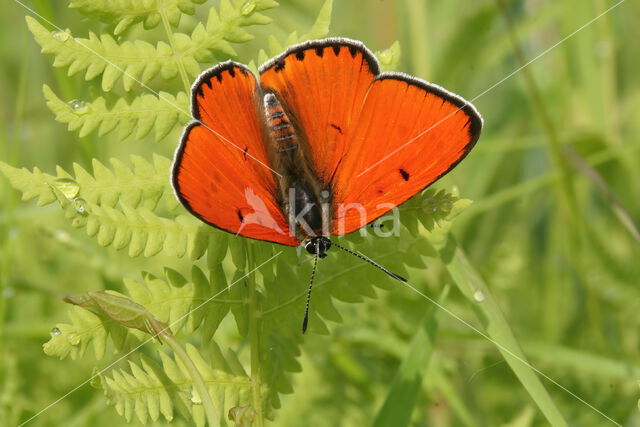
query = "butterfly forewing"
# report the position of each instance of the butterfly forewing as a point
(221, 172)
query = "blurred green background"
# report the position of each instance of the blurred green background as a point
(555, 179)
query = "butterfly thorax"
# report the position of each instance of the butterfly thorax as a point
(301, 195)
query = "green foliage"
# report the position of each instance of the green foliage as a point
(142, 61)
(124, 13)
(550, 283)
(162, 114)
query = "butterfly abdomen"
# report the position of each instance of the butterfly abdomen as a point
(282, 131)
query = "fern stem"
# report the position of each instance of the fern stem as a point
(169, 31)
(256, 381)
(198, 382)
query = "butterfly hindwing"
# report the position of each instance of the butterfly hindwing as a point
(409, 133)
(221, 172)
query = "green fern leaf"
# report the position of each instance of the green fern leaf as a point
(31, 184)
(389, 58)
(181, 303)
(142, 184)
(124, 13)
(145, 113)
(320, 27)
(145, 391)
(86, 328)
(141, 60)
(148, 390)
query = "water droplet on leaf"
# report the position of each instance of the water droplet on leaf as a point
(386, 56)
(446, 205)
(478, 296)
(73, 339)
(195, 397)
(430, 205)
(248, 7)
(61, 36)
(80, 206)
(67, 186)
(55, 331)
(78, 106)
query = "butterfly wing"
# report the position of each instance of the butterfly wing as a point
(408, 134)
(376, 139)
(322, 85)
(221, 172)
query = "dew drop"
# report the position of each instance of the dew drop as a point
(195, 397)
(67, 186)
(55, 331)
(248, 7)
(80, 206)
(478, 296)
(73, 339)
(61, 36)
(78, 106)
(386, 56)
(446, 205)
(430, 205)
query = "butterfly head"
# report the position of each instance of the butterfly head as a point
(319, 245)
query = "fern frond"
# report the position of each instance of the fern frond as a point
(86, 328)
(141, 60)
(124, 13)
(31, 184)
(389, 58)
(222, 29)
(143, 183)
(181, 303)
(142, 231)
(145, 113)
(144, 390)
(149, 390)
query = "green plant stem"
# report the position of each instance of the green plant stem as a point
(254, 337)
(497, 327)
(176, 57)
(417, 16)
(555, 147)
(198, 382)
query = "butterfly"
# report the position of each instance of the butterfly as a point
(321, 143)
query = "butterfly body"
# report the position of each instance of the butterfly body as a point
(300, 193)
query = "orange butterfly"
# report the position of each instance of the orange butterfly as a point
(322, 144)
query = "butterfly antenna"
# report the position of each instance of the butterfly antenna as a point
(370, 261)
(313, 274)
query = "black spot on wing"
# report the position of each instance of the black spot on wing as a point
(244, 153)
(300, 55)
(405, 175)
(320, 51)
(232, 72)
(279, 65)
(336, 49)
(336, 127)
(219, 77)
(353, 50)
(240, 216)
